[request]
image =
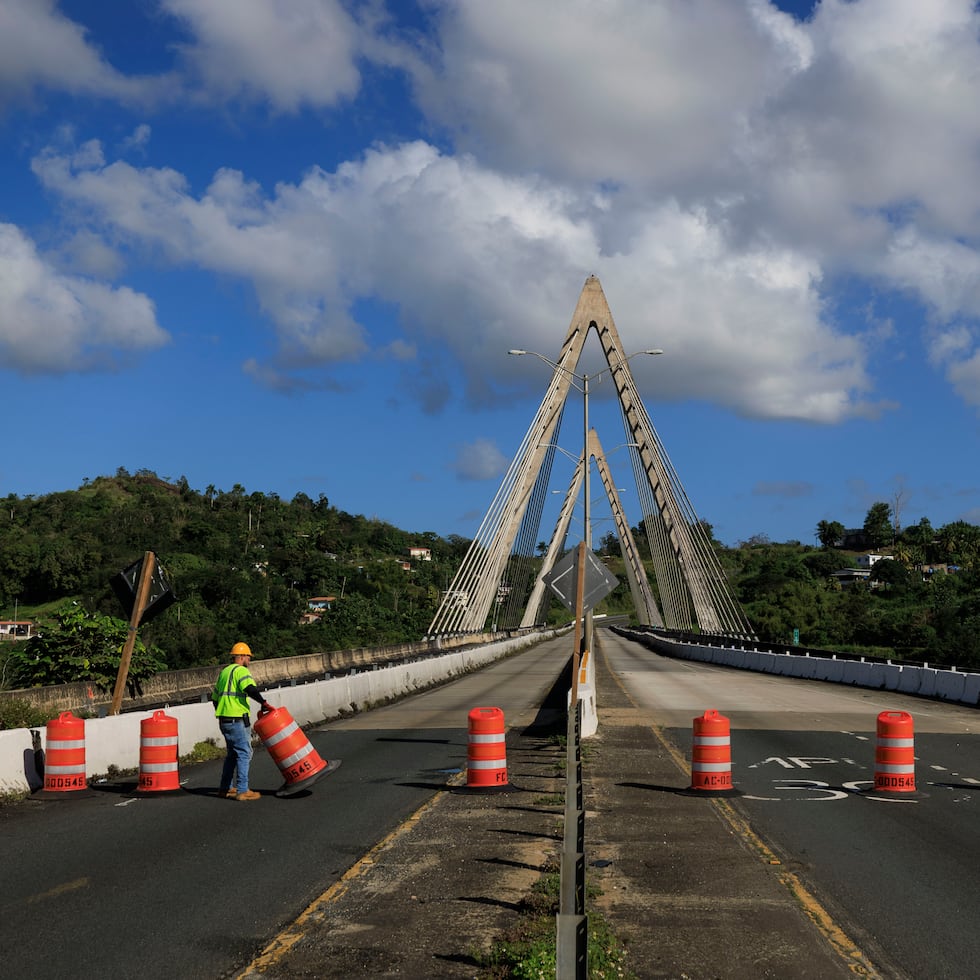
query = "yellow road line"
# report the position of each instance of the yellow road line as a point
(312, 914)
(68, 886)
(841, 943)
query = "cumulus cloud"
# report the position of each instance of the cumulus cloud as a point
(480, 460)
(51, 322)
(719, 165)
(41, 48)
(287, 54)
(788, 490)
(638, 92)
(476, 260)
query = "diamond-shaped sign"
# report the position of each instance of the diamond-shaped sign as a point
(563, 580)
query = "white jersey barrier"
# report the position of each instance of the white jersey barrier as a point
(115, 741)
(941, 684)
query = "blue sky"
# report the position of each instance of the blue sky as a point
(287, 245)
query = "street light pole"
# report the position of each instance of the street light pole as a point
(586, 490)
(584, 378)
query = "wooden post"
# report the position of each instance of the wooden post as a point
(142, 591)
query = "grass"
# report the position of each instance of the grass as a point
(529, 951)
(14, 796)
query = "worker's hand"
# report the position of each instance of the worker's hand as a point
(266, 708)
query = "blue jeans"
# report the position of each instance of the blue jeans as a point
(238, 739)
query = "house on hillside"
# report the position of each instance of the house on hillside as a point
(936, 568)
(869, 561)
(316, 607)
(850, 576)
(420, 554)
(17, 629)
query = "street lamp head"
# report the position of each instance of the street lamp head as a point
(653, 350)
(516, 351)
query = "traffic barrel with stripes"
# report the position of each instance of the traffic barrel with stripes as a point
(299, 763)
(895, 753)
(486, 755)
(158, 754)
(711, 755)
(64, 754)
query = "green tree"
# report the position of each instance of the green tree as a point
(892, 574)
(878, 525)
(829, 533)
(81, 646)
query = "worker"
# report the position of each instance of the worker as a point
(235, 685)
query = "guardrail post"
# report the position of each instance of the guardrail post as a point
(572, 930)
(572, 960)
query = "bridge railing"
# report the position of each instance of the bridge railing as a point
(880, 673)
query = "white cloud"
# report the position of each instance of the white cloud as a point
(50, 322)
(965, 378)
(41, 48)
(289, 53)
(480, 460)
(717, 164)
(636, 92)
(477, 260)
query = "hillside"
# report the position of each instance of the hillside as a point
(245, 565)
(242, 565)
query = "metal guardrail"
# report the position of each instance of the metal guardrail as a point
(572, 925)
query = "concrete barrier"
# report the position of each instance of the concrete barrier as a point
(918, 680)
(182, 686)
(891, 676)
(114, 742)
(950, 686)
(911, 679)
(19, 771)
(971, 690)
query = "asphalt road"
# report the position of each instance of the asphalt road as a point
(105, 883)
(897, 871)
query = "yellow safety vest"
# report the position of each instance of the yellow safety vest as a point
(229, 697)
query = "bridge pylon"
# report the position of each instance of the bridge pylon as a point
(500, 584)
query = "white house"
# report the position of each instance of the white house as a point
(867, 561)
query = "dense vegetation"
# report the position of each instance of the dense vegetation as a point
(243, 566)
(903, 611)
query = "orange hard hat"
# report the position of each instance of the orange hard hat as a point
(241, 650)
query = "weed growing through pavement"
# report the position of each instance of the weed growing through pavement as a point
(529, 952)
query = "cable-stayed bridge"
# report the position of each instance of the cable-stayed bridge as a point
(501, 585)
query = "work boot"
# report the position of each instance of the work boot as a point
(249, 794)
(228, 794)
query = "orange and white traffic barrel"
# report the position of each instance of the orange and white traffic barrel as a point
(895, 753)
(711, 755)
(299, 763)
(64, 754)
(158, 754)
(486, 755)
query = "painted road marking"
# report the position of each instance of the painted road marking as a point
(68, 886)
